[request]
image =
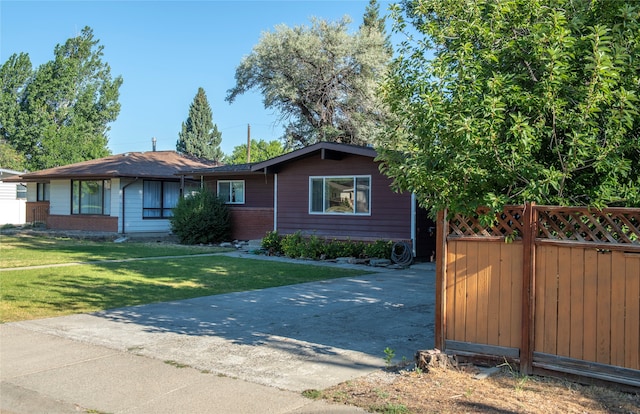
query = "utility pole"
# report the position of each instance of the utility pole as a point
(248, 143)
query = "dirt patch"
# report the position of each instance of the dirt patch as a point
(451, 390)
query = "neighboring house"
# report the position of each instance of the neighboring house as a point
(13, 197)
(331, 190)
(126, 193)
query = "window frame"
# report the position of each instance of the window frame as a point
(43, 191)
(105, 203)
(162, 209)
(324, 179)
(21, 192)
(231, 182)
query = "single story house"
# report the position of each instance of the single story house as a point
(13, 197)
(331, 190)
(125, 193)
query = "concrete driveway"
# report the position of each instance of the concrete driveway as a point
(306, 336)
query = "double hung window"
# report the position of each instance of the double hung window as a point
(21, 192)
(90, 197)
(43, 191)
(340, 195)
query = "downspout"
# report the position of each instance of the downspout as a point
(123, 203)
(275, 202)
(413, 223)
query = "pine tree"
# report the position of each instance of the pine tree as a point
(200, 136)
(371, 21)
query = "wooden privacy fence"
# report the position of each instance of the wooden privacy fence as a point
(555, 289)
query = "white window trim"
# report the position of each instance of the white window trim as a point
(325, 177)
(244, 191)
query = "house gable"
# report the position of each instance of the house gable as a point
(389, 216)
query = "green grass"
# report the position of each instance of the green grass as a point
(19, 251)
(46, 292)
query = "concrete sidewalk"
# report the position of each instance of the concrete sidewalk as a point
(42, 373)
(244, 352)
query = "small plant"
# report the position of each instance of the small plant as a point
(176, 364)
(314, 247)
(272, 243)
(391, 408)
(381, 393)
(389, 354)
(293, 245)
(340, 396)
(312, 394)
(380, 249)
(520, 379)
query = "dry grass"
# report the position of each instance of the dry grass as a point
(456, 391)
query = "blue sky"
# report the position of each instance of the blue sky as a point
(164, 51)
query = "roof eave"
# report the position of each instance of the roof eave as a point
(320, 146)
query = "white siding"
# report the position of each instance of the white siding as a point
(12, 210)
(115, 199)
(7, 191)
(60, 197)
(133, 213)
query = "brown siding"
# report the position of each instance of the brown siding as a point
(83, 222)
(390, 212)
(249, 223)
(258, 189)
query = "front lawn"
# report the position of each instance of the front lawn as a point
(55, 291)
(18, 251)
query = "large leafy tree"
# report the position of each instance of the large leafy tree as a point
(261, 150)
(200, 136)
(320, 78)
(59, 113)
(502, 102)
(14, 74)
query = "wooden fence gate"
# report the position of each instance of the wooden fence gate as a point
(555, 289)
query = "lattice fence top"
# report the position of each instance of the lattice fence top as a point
(509, 223)
(621, 226)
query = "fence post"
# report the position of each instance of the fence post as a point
(530, 221)
(442, 229)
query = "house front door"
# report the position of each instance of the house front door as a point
(425, 236)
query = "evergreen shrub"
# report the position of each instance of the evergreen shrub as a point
(201, 218)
